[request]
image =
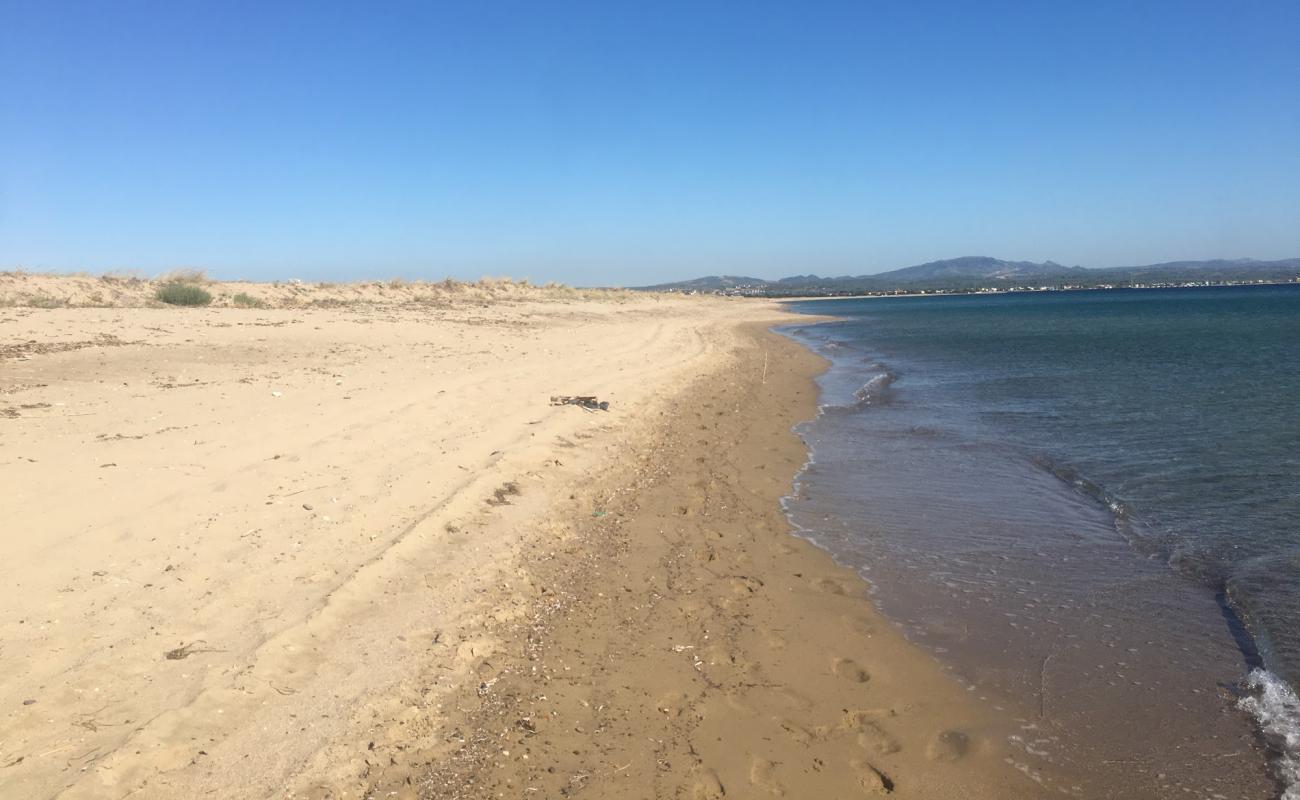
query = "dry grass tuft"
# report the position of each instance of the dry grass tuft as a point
(193, 276)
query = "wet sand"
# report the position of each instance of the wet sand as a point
(680, 642)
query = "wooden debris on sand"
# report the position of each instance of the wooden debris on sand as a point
(583, 401)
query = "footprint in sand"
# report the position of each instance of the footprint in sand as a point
(859, 625)
(872, 780)
(743, 586)
(871, 735)
(849, 670)
(856, 718)
(705, 554)
(773, 640)
(707, 786)
(716, 655)
(948, 746)
(874, 738)
(692, 608)
(794, 730)
(736, 702)
(672, 704)
(761, 774)
(828, 585)
(792, 698)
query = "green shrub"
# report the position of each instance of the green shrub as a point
(246, 300)
(183, 294)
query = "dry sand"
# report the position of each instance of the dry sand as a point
(352, 551)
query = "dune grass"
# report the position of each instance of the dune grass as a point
(246, 300)
(183, 294)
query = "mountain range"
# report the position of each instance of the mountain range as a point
(974, 273)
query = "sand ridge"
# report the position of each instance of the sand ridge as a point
(40, 290)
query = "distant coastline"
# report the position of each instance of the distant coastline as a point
(1016, 290)
(985, 275)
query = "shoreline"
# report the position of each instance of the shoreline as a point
(341, 552)
(685, 643)
(1176, 721)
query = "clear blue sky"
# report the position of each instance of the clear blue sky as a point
(630, 142)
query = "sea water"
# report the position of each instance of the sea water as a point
(1087, 505)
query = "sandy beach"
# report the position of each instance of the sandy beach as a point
(344, 546)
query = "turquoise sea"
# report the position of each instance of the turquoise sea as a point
(1087, 504)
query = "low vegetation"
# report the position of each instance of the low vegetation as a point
(45, 301)
(194, 288)
(246, 300)
(193, 276)
(183, 294)
(32, 301)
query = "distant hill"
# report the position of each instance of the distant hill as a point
(974, 273)
(711, 283)
(979, 267)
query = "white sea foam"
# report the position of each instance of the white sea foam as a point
(872, 390)
(1275, 706)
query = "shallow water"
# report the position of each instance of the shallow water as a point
(1087, 505)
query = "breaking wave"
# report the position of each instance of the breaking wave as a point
(1276, 708)
(875, 390)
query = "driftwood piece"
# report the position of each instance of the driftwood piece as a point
(582, 401)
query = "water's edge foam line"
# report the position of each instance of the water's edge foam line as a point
(1268, 699)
